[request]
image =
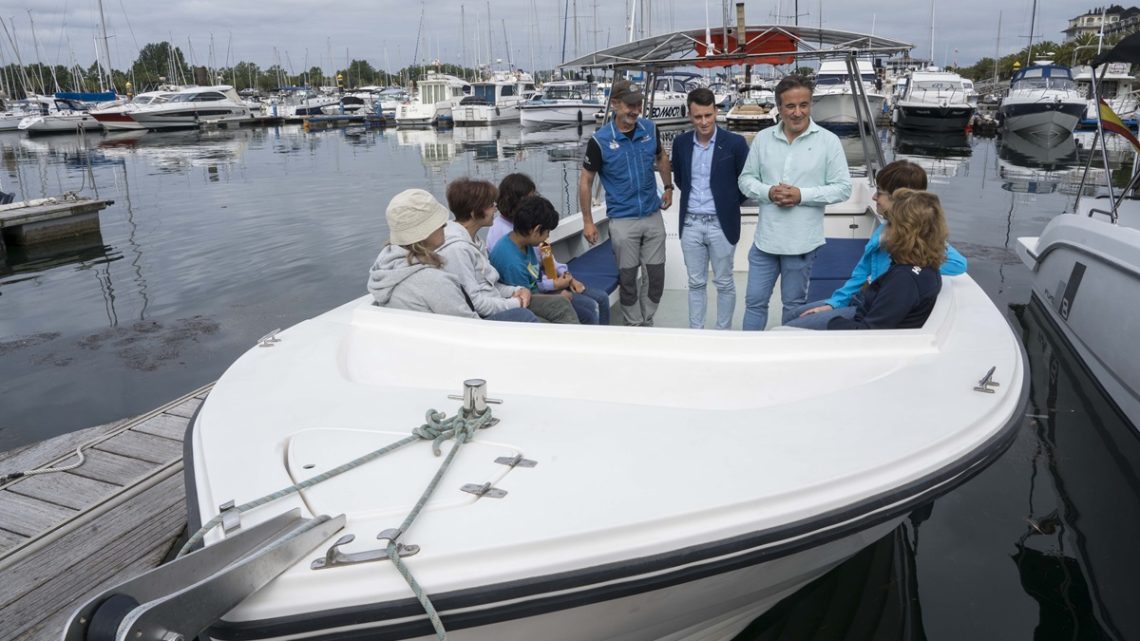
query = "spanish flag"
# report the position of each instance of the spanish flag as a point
(1111, 122)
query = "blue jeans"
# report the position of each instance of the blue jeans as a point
(794, 271)
(592, 307)
(819, 320)
(702, 242)
(516, 315)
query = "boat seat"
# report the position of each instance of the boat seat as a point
(833, 265)
(597, 267)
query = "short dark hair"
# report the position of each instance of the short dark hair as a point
(702, 96)
(512, 189)
(900, 174)
(467, 198)
(792, 81)
(535, 211)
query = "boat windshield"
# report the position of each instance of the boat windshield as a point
(1036, 79)
(842, 79)
(937, 85)
(485, 92)
(561, 93)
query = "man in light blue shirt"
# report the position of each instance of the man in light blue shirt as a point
(794, 170)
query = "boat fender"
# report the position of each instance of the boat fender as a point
(579, 116)
(105, 620)
(496, 111)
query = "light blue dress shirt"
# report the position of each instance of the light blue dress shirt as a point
(700, 191)
(814, 162)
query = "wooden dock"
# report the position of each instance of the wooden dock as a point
(47, 219)
(66, 535)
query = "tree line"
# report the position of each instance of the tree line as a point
(161, 63)
(1078, 51)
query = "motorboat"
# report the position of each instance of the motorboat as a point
(755, 109)
(495, 101)
(434, 102)
(833, 101)
(1086, 266)
(390, 99)
(118, 116)
(66, 115)
(193, 107)
(33, 105)
(561, 103)
(1042, 102)
(933, 101)
(667, 104)
(610, 500)
(1117, 88)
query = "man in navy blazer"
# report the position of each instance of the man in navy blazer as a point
(706, 164)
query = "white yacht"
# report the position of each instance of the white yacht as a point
(33, 105)
(495, 101)
(933, 101)
(832, 101)
(1118, 88)
(1042, 102)
(193, 107)
(560, 103)
(755, 109)
(667, 105)
(118, 116)
(391, 98)
(436, 97)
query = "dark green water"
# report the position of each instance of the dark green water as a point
(218, 237)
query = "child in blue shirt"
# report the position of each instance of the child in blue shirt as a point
(513, 257)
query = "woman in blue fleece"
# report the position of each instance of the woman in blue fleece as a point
(875, 260)
(903, 297)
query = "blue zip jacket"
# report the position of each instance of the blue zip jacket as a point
(627, 170)
(875, 262)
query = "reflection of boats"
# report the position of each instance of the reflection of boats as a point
(1043, 103)
(1086, 275)
(1029, 152)
(933, 101)
(561, 143)
(1076, 557)
(175, 151)
(833, 103)
(940, 154)
(20, 260)
(561, 103)
(547, 557)
(436, 147)
(487, 143)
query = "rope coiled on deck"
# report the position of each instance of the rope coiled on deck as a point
(437, 428)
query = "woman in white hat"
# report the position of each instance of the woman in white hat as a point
(407, 274)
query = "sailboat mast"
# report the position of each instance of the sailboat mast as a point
(932, 32)
(1032, 26)
(997, 50)
(106, 49)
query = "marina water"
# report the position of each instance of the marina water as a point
(218, 237)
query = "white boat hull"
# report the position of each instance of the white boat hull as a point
(919, 116)
(837, 110)
(1085, 275)
(1043, 119)
(481, 115)
(558, 115)
(59, 123)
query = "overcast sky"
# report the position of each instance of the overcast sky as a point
(300, 33)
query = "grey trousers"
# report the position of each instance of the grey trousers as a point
(553, 308)
(639, 243)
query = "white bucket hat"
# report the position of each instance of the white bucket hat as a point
(413, 214)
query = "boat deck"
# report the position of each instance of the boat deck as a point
(66, 535)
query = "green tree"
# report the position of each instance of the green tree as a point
(244, 75)
(159, 60)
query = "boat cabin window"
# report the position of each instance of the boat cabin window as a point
(508, 90)
(484, 92)
(842, 79)
(528, 87)
(678, 85)
(562, 93)
(1037, 78)
(206, 96)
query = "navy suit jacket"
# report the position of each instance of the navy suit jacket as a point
(729, 154)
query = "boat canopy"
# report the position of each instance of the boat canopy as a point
(764, 44)
(82, 96)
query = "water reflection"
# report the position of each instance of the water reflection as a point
(1029, 152)
(942, 155)
(1077, 556)
(873, 596)
(437, 147)
(177, 151)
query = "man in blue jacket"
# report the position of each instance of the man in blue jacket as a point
(624, 153)
(706, 164)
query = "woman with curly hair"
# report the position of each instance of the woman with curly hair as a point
(915, 237)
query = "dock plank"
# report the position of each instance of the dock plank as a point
(112, 468)
(39, 454)
(164, 425)
(147, 447)
(28, 516)
(63, 488)
(9, 540)
(37, 585)
(186, 409)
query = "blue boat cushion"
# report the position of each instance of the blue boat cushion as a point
(833, 265)
(597, 268)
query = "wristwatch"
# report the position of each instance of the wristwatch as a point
(668, 187)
